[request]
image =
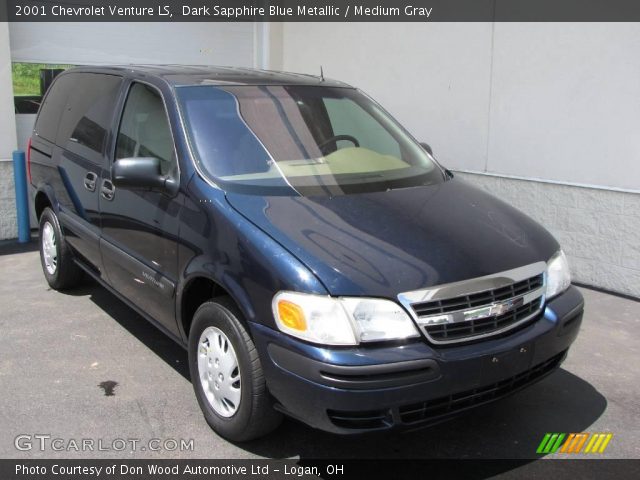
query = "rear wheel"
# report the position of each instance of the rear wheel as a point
(56, 257)
(227, 375)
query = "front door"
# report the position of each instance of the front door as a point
(140, 226)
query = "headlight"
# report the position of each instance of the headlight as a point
(341, 321)
(558, 276)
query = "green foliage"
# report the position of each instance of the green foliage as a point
(26, 77)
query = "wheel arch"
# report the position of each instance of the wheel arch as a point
(200, 287)
(44, 198)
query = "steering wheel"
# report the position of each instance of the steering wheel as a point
(337, 138)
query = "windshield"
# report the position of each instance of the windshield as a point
(274, 140)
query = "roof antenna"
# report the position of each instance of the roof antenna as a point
(321, 74)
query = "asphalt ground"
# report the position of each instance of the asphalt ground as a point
(81, 365)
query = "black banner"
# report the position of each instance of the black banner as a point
(326, 469)
(320, 10)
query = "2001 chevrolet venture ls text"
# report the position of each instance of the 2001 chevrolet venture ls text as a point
(312, 256)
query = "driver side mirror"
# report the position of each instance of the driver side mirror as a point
(427, 147)
(140, 172)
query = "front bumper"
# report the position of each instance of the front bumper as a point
(360, 389)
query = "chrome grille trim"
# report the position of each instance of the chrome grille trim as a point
(497, 310)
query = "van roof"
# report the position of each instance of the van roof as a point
(212, 75)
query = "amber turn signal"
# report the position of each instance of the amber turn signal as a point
(291, 315)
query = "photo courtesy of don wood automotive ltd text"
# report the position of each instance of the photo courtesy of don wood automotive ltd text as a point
(277, 239)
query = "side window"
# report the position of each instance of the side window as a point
(144, 129)
(348, 118)
(53, 107)
(88, 113)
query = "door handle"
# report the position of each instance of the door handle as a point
(90, 181)
(107, 190)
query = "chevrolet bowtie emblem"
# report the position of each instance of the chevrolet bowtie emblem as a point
(493, 310)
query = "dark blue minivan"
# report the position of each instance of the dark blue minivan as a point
(313, 257)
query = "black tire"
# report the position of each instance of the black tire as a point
(255, 416)
(66, 274)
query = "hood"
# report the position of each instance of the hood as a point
(384, 243)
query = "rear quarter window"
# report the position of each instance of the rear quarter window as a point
(77, 113)
(52, 108)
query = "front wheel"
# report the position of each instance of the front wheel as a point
(227, 375)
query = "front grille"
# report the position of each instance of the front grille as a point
(470, 328)
(478, 308)
(443, 406)
(479, 299)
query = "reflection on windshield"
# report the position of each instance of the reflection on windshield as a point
(308, 139)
